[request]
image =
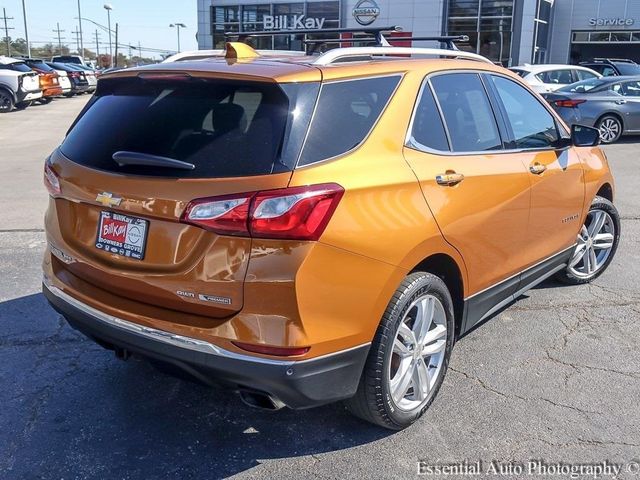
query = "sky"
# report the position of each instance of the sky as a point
(144, 21)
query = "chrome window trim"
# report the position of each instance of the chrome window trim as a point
(401, 76)
(180, 341)
(411, 143)
(520, 272)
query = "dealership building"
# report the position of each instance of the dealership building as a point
(508, 31)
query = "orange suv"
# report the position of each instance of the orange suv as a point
(313, 229)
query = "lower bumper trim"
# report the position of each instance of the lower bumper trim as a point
(297, 384)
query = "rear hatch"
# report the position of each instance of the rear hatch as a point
(121, 222)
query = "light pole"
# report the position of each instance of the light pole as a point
(26, 32)
(178, 26)
(108, 8)
(80, 28)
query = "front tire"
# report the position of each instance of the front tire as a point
(597, 243)
(22, 105)
(409, 355)
(610, 128)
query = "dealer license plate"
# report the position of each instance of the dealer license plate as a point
(122, 235)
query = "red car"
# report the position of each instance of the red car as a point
(49, 79)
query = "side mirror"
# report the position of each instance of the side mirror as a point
(582, 136)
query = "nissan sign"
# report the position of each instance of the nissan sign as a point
(366, 11)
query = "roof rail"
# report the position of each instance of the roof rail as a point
(447, 40)
(334, 56)
(621, 60)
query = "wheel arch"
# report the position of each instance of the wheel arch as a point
(606, 191)
(444, 266)
(8, 90)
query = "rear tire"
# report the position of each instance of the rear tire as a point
(394, 359)
(69, 95)
(22, 105)
(610, 128)
(596, 246)
(45, 100)
(6, 102)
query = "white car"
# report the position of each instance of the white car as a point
(549, 78)
(19, 85)
(65, 83)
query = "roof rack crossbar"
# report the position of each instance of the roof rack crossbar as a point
(622, 60)
(333, 56)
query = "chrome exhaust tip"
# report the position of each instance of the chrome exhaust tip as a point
(260, 400)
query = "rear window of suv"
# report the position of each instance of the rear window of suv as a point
(224, 128)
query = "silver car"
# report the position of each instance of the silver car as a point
(611, 104)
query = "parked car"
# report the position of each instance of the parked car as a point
(75, 59)
(76, 76)
(613, 66)
(19, 85)
(611, 104)
(547, 78)
(49, 79)
(63, 79)
(318, 228)
(91, 76)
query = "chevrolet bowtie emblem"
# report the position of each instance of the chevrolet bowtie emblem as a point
(108, 200)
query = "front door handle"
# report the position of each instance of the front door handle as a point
(449, 178)
(621, 102)
(537, 168)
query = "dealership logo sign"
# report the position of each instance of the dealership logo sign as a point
(366, 12)
(295, 22)
(614, 22)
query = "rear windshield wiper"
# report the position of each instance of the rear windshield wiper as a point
(136, 158)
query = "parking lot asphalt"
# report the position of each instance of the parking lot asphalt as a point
(553, 377)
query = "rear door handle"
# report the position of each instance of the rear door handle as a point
(537, 168)
(449, 179)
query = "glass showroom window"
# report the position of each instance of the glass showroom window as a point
(488, 24)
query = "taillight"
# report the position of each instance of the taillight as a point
(224, 215)
(300, 213)
(297, 213)
(51, 180)
(568, 103)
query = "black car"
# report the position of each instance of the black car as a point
(613, 66)
(77, 77)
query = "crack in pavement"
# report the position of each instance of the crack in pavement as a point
(521, 398)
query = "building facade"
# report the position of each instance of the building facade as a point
(511, 32)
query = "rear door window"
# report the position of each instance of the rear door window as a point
(345, 114)
(557, 77)
(223, 128)
(584, 75)
(467, 112)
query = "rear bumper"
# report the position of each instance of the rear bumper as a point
(26, 96)
(297, 384)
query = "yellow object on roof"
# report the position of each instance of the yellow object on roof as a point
(238, 50)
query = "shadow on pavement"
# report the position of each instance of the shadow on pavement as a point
(70, 409)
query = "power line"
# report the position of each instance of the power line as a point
(6, 30)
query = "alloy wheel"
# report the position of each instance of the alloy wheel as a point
(595, 242)
(418, 353)
(609, 130)
(5, 103)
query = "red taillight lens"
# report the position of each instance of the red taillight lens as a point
(275, 351)
(51, 180)
(226, 215)
(298, 213)
(568, 103)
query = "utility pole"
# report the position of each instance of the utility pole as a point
(80, 28)
(97, 45)
(6, 30)
(76, 34)
(26, 31)
(116, 57)
(58, 31)
(108, 8)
